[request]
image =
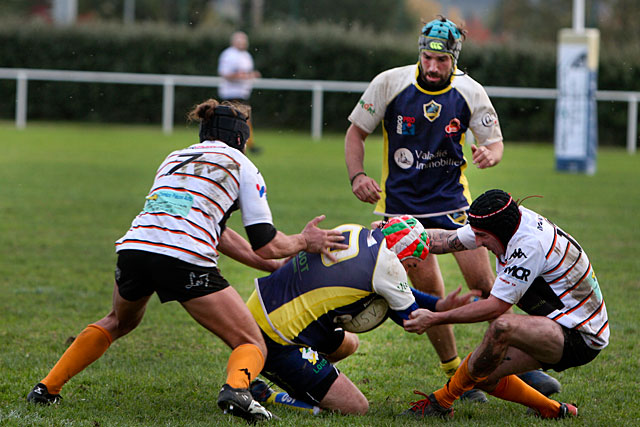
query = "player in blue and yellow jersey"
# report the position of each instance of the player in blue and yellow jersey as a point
(426, 110)
(304, 307)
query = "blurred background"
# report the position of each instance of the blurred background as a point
(510, 43)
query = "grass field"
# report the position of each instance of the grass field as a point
(67, 192)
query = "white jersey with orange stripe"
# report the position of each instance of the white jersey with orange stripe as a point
(545, 272)
(194, 192)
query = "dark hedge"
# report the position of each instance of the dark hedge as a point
(305, 52)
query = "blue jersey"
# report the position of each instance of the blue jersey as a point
(424, 134)
(301, 302)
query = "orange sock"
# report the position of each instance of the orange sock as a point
(245, 363)
(513, 389)
(88, 346)
(460, 382)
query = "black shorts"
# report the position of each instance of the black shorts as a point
(575, 352)
(140, 273)
(301, 371)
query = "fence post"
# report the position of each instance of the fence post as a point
(632, 125)
(21, 100)
(168, 93)
(316, 112)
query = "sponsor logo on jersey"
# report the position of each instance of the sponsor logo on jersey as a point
(519, 273)
(403, 286)
(506, 281)
(405, 125)
(403, 158)
(367, 107)
(432, 110)
(518, 254)
(452, 127)
(489, 120)
(262, 190)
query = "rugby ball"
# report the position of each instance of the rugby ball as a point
(371, 317)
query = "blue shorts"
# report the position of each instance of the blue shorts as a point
(450, 221)
(301, 371)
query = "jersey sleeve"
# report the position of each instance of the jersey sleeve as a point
(390, 281)
(371, 107)
(467, 237)
(484, 119)
(524, 262)
(253, 196)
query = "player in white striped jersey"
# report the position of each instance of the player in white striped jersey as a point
(172, 249)
(546, 273)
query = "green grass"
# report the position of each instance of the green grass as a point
(69, 191)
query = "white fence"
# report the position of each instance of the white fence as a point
(316, 87)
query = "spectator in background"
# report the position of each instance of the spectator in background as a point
(235, 65)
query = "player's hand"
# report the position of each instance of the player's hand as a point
(483, 157)
(420, 320)
(321, 241)
(455, 300)
(377, 224)
(366, 189)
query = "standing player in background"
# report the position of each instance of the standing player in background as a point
(425, 110)
(235, 65)
(548, 275)
(172, 249)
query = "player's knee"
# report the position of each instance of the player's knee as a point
(363, 406)
(501, 328)
(356, 406)
(119, 327)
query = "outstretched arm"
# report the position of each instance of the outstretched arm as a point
(236, 247)
(444, 241)
(479, 311)
(311, 239)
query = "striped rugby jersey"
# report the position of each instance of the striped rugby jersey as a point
(194, 192)
(424, 133)
(545, 272)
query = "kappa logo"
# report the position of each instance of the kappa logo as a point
(432, 110)
(261, 190)
(519, 273)
(518, 254)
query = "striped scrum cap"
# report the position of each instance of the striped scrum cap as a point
(406, 237)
